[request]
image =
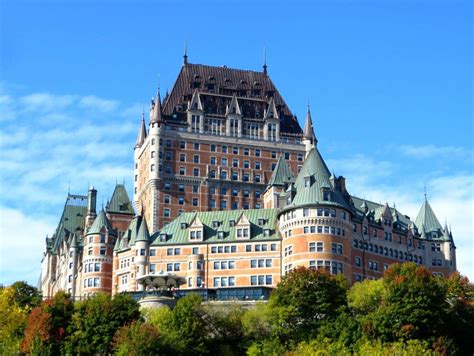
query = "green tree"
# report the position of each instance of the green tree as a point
(96, 320)
(303, 301)
(137, 339)
(26, 295)
(13, 320)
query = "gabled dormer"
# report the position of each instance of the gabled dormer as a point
(233, 118)
(242, 228)
(271, 130)
(195, 114)
(386, 216)
(196, 230)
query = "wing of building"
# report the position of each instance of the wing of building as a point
(231, 194)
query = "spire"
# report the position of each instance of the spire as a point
(141, 133)
(272, 112)
(157, 110)
(195, 103)
(234, 107)
(281, 173)
(143, 234)
(308, 133)
(265, 60)
(185, 56)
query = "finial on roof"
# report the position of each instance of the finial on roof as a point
(264, 60)
(308, 132)
(185, 56)
(425, 191)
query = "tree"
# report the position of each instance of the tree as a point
(47, 324)
(13, 320)
(304, 300)
(26, 295)
(137, 339)
(96, 320)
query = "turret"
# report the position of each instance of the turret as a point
(142, 242)
(309, 139)
(141, 133)
(72, 264)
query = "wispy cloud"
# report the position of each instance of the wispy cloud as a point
(428, 151)
(94, 102)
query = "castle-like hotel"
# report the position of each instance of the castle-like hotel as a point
(230, 194)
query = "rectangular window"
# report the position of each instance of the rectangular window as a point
(257, 153)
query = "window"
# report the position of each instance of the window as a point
(196, 146)
(213, 148)
(257, 178)
(97, 267)
(213, 161)
(274, 154)
(168, 143)
(235, 163)
(287, 155)
(152, 252)
(224, 149)
(196, 159)
(196, 172)
(182, 171)
(166, 212)
(167, 199)
(235, 150)
(195, 202)
(181, 200)
(152, 168)
(257, 153)
(168, 156)
(182, 157)
(181, 188)
(246, 151)
(358, 261)
(103, 250)
(336, 248)
(182, 145)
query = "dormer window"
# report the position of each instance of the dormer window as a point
(266, 232)
(184, 225)
(261, 221)
(231, 223)
(163, 237)
(307, 182)
(195, 235)
(215, 224)
(243, 232)
(326, 195)
(220, 235)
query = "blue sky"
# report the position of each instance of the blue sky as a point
(390, 85)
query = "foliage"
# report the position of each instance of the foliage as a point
(365, 297)
(303, 301)
(137, 339)
(13, 319)
(26, 296)
(46, 328)
(183, 328)
(96, 320)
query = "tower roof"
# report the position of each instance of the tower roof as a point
(281, 175)
(427, 222)
(157, 117)
(312, 181)
(120, 202)
(100, 222)
(308, 132)
(141, 133)
(143, 234)
(217, 85)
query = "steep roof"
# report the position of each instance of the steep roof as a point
(143, 234)
(226, 82)
(120, 202)
(141, 133)
(315, 170)
(178, 235)
(428, 224)
(100, 222)
(157, 117)
(281, 175)
(72, 220)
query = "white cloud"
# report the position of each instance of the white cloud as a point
(22, 245)
(428, 151)
(46, 101)
(94, 102)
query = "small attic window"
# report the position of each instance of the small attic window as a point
(184, 225)
(231, 223)
(215, 224)
(307, 182)
(163, 237)
(266, 232)
(261, 221)
(326, 195)
(197, 77)
(220, 235)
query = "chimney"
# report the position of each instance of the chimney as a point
(91, 206)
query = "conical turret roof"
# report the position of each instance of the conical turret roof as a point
(316, 173)
(427, 222)
(281, 175)
(308, 132)
(141, 133)
(157, 112)
(100, 222)
(143, 234)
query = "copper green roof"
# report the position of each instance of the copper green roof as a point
(428, 224)
(100, 222)
(260, 220)
(72, 219)
(143, 234)
(281, 174)
(315, 170)
(120, 202)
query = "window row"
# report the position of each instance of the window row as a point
(333, 267)
(224, 265)
(260, 247)
(261, 263)
(92, 267)
(224, 249)
(387, 252)
(261, 280)
(224, 281)
(199, 282)
(324, 230)
(124, 263)
(92, 282)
